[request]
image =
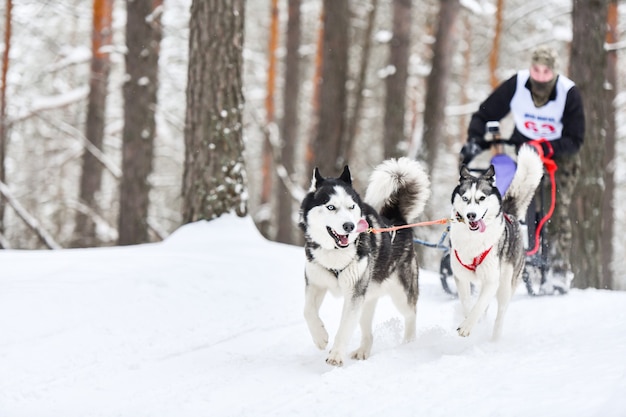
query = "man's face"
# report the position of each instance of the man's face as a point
(541, 73)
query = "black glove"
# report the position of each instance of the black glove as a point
(470, 150)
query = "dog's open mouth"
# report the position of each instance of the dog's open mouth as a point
(477, 225)
(341, 240)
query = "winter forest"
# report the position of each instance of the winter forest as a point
(103, 105)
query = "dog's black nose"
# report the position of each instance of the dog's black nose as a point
(471, 216)
(348, 227)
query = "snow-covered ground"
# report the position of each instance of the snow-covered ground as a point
(209, 323)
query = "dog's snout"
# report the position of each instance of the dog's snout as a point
(471, 216)
(348, 227)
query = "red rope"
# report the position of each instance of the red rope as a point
(551, 167)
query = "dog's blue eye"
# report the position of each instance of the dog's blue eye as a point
(465, 199)
(330, 207)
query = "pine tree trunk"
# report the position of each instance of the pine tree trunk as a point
(143, 37)
(289, 126)
(438, 79)
(587, 69)
(359, 91)
(608, 216)
(90, 180)
(264, 223)
(333, 95)
(309, 154)
(494, 54)
(395, 100)
(4, 136)
(214, 173)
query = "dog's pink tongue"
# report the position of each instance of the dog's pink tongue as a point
(481, 225)
(362, 226)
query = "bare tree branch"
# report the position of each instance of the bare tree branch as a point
(30, 221)
(270, 131)
(97, 153)
(4, 242)
(51, 103)
(102, 224)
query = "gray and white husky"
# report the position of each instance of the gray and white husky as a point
(343, 258)
(486, 242)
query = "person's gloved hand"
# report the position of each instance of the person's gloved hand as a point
(536, 146)
(545, 151)
(542, 147)
(470, 150)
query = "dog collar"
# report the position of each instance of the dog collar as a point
(475, 262)
(336, 272)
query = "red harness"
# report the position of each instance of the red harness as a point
(475, 262)
(480, 258)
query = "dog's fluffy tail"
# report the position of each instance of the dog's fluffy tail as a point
(398, 189)
(527, 177)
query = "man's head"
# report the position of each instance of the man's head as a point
(543, 66)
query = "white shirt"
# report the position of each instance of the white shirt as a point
(539, 122)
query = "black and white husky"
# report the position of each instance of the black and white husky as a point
(343, 258)
(486, 243)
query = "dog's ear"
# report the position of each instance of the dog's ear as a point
(345, 175)
(317, 179)
(465, 173)
(490, 175)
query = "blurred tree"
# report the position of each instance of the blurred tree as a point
(333, 96)
(465, 75)
(214, 172)
(309, 156)
(3, 107)
(143, 38)
(608, 210)
(359, 91)
(91, 178)
(264, 222)
(437, 82)
(588, 62)
(494, 53)
(289, 125)
(399, 50)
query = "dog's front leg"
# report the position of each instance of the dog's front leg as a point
(367, 338)
(349, 317)
(487, 292)
(352, 287)
(313, 297)
(464, 290)
(505, 292)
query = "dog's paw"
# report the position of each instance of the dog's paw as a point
(334, 359)
(360, 354)
(320, 338)
(464, 329)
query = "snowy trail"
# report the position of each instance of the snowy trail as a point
(209, 322)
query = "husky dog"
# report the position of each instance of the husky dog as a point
(486, 242)
(341, 257)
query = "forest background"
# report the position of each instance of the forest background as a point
(414, 73)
